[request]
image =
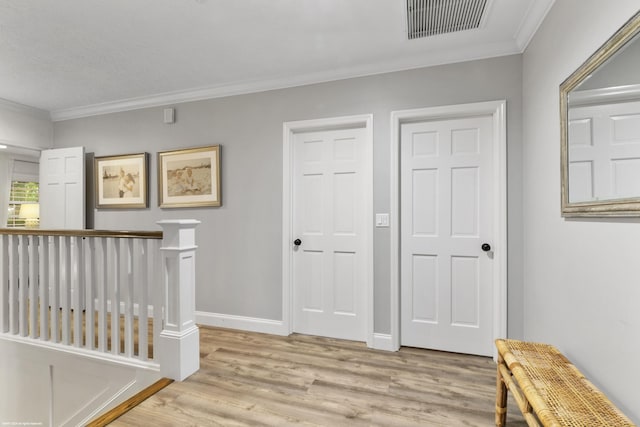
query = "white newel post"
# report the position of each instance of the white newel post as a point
(179, 342)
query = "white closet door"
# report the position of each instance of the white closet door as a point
(329, 264)
(446, 217)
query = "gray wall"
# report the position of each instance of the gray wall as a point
(581, 276)
(20, 127)
(24, 126)
(239, 263)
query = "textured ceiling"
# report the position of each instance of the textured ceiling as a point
(66, 55)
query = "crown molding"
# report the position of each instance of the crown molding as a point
(531, 22)
(24, 109)
(442, 57)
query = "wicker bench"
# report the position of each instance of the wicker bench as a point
(549, 389)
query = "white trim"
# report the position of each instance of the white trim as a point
(464, 53)
(497, 109)
(105, 391)
(383, 342)
(128, 389)
(252, 324)
(289, 129)
(606, 95)
(24, 109)
(532, 20)
(102, 357)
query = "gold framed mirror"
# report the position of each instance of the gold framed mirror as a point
(600, 130)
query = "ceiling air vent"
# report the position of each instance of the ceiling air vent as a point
(431, 17)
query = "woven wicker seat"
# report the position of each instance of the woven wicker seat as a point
(549, 389)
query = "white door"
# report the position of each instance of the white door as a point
(447, 198)
(62, 189)
(329, 219)
(62, 204)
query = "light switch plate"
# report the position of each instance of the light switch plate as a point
(382, 220)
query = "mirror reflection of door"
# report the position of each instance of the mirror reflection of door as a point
(604, 130)
(604, 151)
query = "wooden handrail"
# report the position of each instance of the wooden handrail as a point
(83, 233)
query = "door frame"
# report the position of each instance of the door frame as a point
(289, 130)
(496, 109)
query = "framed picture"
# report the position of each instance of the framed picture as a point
(122, 181)
(189, 178)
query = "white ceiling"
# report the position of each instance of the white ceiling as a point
(80, 57)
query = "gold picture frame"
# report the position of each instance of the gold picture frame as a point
(122, 182)
(189, 178)
(570, 94)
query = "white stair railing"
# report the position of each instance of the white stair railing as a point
(124, 296)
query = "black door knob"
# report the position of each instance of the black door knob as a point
(297, 242)
(486, 247)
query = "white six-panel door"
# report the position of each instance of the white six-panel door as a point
(329, 218)
(447, 198)
(62, 188)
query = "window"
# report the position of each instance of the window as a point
(24, 195)
(21, 199)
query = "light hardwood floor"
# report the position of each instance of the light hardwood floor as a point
(249, 379)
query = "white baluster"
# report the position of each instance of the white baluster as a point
(179, 340)
(34, 265)
(158, 284)
(13, 284)
(77, 286)
(90, 278)
(102, 284)
(5, 257)
(130, 271)
(115, 297)
(143, 304)
(54, 287)
(66, 290)
(23, 284)
(43, 281)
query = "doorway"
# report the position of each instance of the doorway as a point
(448, 227)
(327, 227)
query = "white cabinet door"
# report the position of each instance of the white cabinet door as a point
(62, 188)
(329, 217)
(447, 199)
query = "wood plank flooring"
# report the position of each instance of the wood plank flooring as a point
(250, 379)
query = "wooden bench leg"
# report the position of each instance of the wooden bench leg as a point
(501, 397)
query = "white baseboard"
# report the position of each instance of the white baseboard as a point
(382, 342)
(252, 324)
